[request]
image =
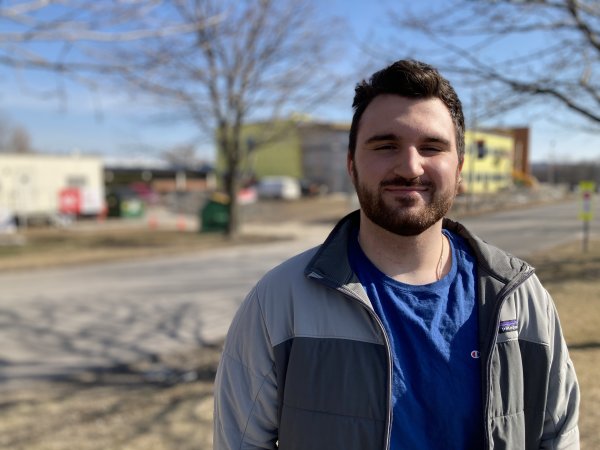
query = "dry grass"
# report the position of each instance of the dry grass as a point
(92, 242)
(129, 408)
(53, 247)
(573, 279)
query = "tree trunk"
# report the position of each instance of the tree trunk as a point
(231, 189)
(231, 179)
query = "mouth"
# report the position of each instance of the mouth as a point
(406, 195)
(404, 187)
(406, 191)
(396, 188)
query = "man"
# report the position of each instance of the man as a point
(402, 330)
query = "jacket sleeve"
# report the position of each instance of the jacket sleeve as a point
(245, 415)
(562, 408)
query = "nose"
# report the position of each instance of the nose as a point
(409, 163)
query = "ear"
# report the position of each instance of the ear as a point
(350, 165)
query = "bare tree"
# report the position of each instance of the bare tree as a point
(70, 29)
(260, 60)
(20, 141)
(521, 51)
(183, 155)
(4, 134)
(217, 63)
(65, 37)
(14, 139)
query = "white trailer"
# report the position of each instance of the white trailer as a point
(41, 186)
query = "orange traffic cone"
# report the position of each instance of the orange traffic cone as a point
(103, 213)
(181, 225)
(152, 222)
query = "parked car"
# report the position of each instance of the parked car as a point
(311, 188)
(286, 188)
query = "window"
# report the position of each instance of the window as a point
(76, 181)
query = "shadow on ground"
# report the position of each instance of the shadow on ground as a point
(164, 404)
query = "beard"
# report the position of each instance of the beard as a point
(402, 218)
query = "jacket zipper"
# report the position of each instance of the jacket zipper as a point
(348, 293)
(509, 289)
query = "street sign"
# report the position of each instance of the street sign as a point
(586, 189)
(586, 213)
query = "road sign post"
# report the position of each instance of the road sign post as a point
(586, 189)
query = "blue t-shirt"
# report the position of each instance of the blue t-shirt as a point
(433, 331)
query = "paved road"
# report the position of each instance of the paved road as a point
(523, 231)
(53, 322)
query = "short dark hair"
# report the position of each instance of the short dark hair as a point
(412, 79)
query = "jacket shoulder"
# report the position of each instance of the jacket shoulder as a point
(292, 268)
(496, 262)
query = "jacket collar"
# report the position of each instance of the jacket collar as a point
(331, 263)
(495, 262)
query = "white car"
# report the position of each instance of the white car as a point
(8, 224)
(286, 188)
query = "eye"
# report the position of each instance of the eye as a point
(432, 149)
(385, 147)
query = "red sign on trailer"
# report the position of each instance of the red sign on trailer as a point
(69, 201)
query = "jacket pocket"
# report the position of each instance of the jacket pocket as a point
(332, 393)
(519, 389)
(508, 432)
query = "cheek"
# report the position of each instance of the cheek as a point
(372, 169)
(445, 170)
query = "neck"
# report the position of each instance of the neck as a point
(417, 260)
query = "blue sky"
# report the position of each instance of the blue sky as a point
(111, 123)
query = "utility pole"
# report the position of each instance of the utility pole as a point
(551, 162)
(471, 153)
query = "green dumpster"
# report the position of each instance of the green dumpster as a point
(215, 214)
(122, 203)
(132, 207)
(113, 202)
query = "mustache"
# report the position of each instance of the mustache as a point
(405, 182)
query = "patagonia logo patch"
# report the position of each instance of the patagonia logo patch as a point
(507, 325)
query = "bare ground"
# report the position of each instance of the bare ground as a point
(133, 407)
(573, 279)
(167, 404)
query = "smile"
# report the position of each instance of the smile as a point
(406, 188)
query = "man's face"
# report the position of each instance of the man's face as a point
(405, 168)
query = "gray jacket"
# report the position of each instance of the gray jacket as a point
(307, 365)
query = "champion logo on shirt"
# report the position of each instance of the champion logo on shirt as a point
(475, 354)
(507, 325)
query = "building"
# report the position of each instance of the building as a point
(158, 176)
(488, 164)
(324, 148)
(310, 151)
(520, 137)
(36, 186)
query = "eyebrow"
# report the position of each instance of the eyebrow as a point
(382, 137)
(393, 137)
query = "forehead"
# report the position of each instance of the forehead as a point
(406, 117)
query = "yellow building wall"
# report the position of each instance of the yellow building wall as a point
(269, 149)
(493, 172)
(279, 153)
